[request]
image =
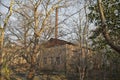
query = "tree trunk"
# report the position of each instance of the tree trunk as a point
(32, 69)
(31, 73)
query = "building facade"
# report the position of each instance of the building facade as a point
(58, 55)
(55, 55)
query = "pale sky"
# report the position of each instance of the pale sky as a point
(3, 10)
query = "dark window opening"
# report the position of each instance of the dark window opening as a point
(45, 60)
(52, 60)
(57, 60)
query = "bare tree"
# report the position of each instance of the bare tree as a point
(34, 20)
(82, 33)
(4, 65)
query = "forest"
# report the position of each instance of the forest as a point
(59, 40)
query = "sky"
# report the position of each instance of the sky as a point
(3, 10)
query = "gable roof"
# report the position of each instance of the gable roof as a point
(55, 42)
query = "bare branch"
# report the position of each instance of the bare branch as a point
(9, 14)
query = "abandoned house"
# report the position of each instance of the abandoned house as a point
(57, 55)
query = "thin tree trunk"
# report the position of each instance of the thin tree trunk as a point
(32, 69)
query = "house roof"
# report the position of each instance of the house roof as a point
(55, 42)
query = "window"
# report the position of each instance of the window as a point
(57, 60)
(52, 60)
(45, 60)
